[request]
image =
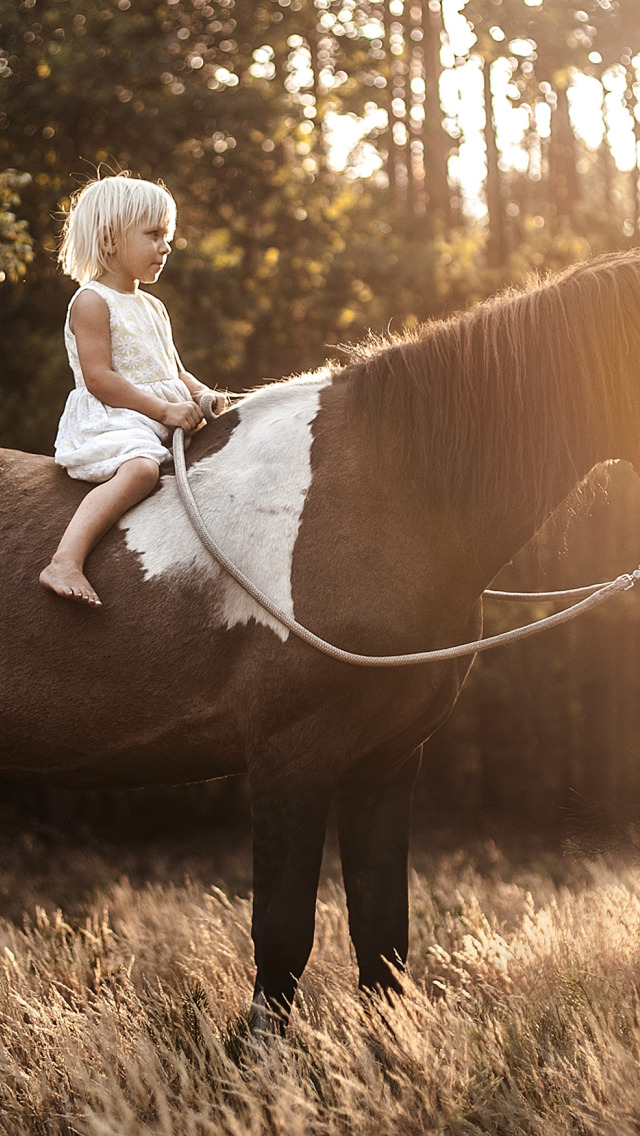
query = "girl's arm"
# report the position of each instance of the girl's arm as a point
(89, 323)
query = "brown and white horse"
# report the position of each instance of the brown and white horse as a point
(375, 502)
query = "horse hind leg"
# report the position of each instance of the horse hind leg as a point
(289, 825)
(373, 813)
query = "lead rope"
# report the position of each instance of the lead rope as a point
(557, 597)
(597, 594)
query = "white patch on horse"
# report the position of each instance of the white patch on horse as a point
(251, 495)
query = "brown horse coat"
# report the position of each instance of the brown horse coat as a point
(182, 675)
(374, 503)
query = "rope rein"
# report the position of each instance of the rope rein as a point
(558, 597)
(594, 594)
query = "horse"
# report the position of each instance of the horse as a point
(374, 500)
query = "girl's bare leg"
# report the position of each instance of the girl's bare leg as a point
(95, 515)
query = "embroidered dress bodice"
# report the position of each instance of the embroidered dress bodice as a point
(94, 439)
(141, 345)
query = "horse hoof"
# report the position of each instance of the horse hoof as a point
(264, 1023)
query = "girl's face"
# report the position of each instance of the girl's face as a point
(140, 255)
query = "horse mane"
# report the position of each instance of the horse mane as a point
(501, 397)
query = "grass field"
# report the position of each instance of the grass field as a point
(123, 1014)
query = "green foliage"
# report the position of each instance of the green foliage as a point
(279, 256)
(16, 247)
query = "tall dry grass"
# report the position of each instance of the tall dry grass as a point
(520, 1015)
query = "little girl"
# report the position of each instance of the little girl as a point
(131, 390)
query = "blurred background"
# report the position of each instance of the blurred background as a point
(340, 166)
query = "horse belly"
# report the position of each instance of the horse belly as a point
(154, 688)
(77, 710)
(132, 694)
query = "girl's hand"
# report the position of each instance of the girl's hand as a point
(211, 402)
(184, 414)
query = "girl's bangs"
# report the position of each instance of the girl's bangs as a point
(152, 205)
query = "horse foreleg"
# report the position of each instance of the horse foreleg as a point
(373, 827)
(289, 824)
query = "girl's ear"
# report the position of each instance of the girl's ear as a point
(107, 240)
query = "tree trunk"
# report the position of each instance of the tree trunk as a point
(435, 141)
(497, 243)
(564, 187)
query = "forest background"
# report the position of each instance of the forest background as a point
(340, 166)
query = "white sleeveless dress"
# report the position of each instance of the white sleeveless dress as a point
(93, 439)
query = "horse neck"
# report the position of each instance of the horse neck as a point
(491, 418)
(524, 467)
(514, 513)
(547, 409)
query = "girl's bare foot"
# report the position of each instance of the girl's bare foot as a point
(68, 581)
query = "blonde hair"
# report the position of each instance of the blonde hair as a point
(100, 216)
